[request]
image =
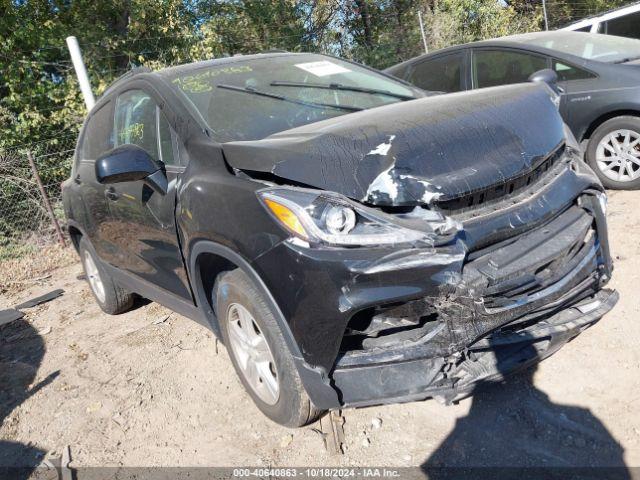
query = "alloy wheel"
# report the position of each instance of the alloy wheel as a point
(253, 354)
(93, 275)
(618, 155)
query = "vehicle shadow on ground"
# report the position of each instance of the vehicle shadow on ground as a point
(21, 353)
(513, 428)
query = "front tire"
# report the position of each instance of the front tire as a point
(111, 298)
(613, 152)
(259, 352)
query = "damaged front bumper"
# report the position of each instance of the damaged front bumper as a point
(380, 326)
(489, 360)
(515, 304)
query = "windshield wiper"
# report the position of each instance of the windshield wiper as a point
(339, 86)
(288, 99)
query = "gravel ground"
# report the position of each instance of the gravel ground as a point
(151, 388)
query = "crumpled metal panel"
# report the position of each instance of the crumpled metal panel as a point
(414, 152)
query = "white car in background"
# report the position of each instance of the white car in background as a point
(623, 22)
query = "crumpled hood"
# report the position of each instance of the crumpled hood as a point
(411, 153)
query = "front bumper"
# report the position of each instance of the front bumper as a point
(477, 295)
(489, 360)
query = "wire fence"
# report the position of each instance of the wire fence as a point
(30, 193)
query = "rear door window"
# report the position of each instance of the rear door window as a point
(504, 67)
(440, 74)
(97, 138)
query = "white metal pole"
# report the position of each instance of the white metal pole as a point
(544, 10)
(81, 72)
(424, 38)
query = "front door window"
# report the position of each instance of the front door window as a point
(504, 67)
(135, 122)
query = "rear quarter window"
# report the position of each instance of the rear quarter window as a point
(97, 137)
(567, 72)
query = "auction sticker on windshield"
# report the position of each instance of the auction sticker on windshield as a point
(322, 68)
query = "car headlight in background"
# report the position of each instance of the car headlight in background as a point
(329, 218)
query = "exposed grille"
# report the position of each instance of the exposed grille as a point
(496, 191)
(548, 257)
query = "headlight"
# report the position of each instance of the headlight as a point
(329, 218)
(339, 219)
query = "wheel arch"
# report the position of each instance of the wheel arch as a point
(605, 117)
(207, 261)
(76, 232)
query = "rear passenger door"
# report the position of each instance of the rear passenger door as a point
(147, 239)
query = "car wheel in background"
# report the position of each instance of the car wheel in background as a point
(259, 353)
(111, 298)
(613, 153)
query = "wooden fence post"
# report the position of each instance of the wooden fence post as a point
(45, 198)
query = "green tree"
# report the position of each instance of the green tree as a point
(454, 22)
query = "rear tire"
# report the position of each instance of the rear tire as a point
(246, 321)
(617, 165)
(111, 298)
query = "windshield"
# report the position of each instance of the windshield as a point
(592, 46)
(249, 99)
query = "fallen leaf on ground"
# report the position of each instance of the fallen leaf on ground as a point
(94, 407)
(286, 441)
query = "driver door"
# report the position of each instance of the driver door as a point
(146, 238)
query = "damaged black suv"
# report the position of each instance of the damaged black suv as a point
(352, 239)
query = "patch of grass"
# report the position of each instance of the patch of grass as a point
(11, 250)
(31, 259)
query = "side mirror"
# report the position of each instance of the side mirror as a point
(130, 163)
(547, 76)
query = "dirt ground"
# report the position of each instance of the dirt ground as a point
(149, 388)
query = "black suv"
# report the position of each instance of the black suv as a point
(351, 240)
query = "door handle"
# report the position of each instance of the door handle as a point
(111, 194)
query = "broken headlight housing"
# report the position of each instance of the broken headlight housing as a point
(329, 218)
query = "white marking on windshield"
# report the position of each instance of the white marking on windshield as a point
(322, 68)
